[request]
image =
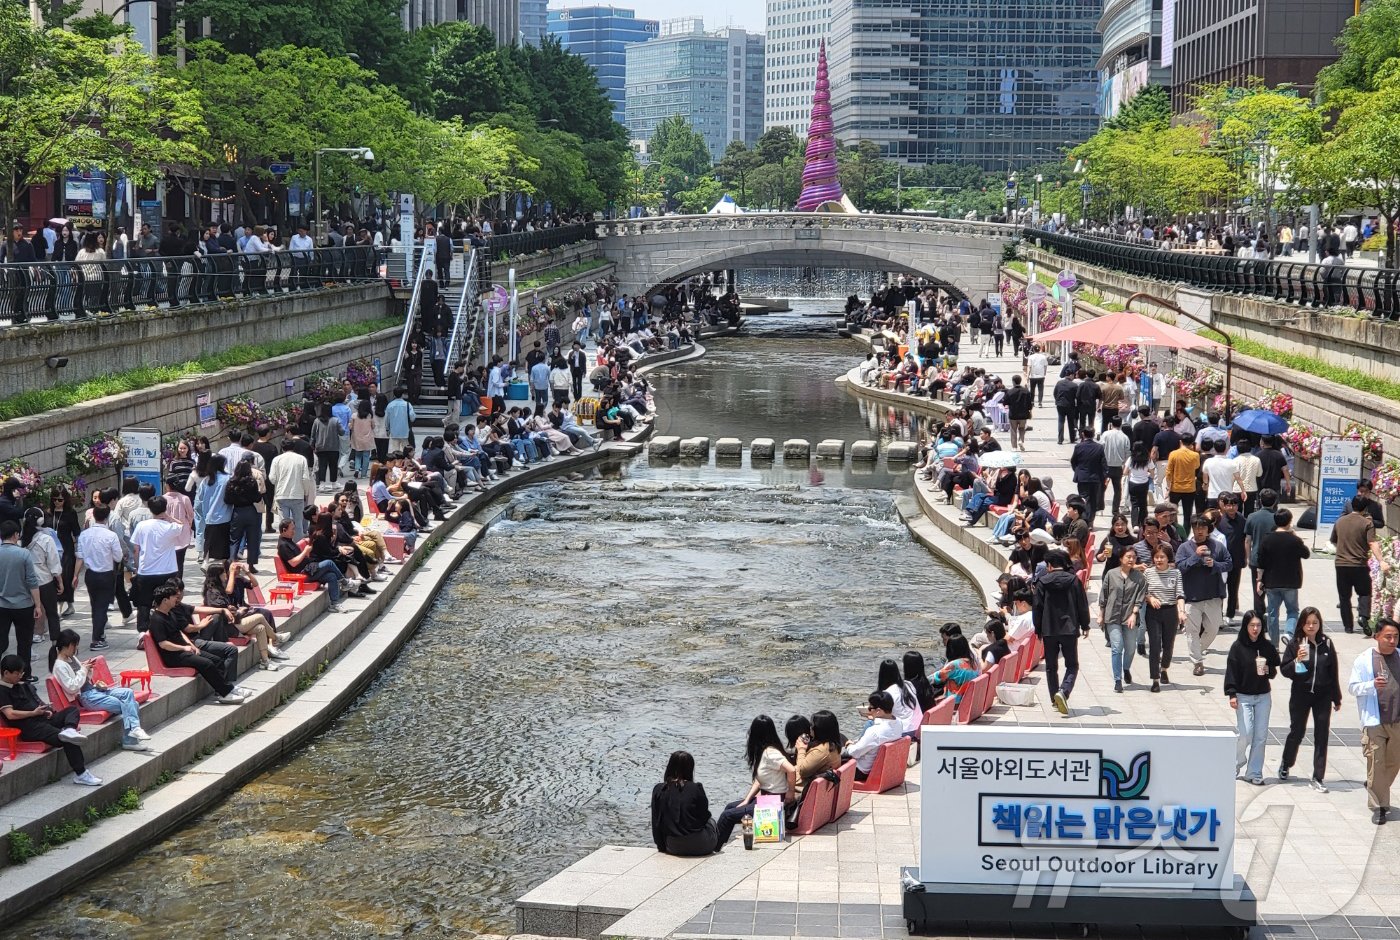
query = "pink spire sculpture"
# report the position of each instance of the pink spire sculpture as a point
(819, 180)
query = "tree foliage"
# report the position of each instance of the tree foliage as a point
(69, 100)
(1369, 42)
(679, 156)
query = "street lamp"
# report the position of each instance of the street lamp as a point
(359, 153)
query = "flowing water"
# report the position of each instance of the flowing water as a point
(601, 624)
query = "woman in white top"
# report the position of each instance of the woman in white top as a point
(76, 678)
(773, 775)
(561, 380)
(906, 698)
(43, 548)
(1140, 470)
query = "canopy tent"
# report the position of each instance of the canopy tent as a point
(725, 206)
(1128, 329)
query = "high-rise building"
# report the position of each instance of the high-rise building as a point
(534, 21)
(501, 17)
(997, 83)
(1280, 41)
(714, 80)
(794, 27)
(1131, 57)
(600, 35)
(415, 14)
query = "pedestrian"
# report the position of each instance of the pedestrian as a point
(1203, 563)
(1354, 536)
(1117, 448)
(1086, 399)
(1230, 525)
(1280, 565)
(154, 542)
(1258, 524)
(1018, 404)
(1066, 409)
(398, 421)
(218, 514)
(578, 368)
(455, 379)
(20, 603)
(1183, 476)
(1089, 466)
(1037, 367)
(42, 544)
(1061, 617)
(325, 438)
(1375, 684)
(1310, 662)
(1250, 664)
(1124, 589)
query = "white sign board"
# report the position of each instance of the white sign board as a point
(142, 455)
(1087, 808)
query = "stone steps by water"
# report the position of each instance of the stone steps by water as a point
(765, 448)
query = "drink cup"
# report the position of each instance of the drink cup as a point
(1261, 666)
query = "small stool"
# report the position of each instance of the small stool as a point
(288, 592)
(299, 580)
(141, 676)
(11, 735)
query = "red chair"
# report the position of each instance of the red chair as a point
(394, 543)
(1012, 666)
(303, 586)
(971, 698)
(156, 665)
(941, 713)
(59, 699)
(845, 789)
(10, 733)
(989, 689)
(891, 761)
(818, 807)
(1083, 575)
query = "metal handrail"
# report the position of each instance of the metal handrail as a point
(466, 302)
(1375, 291)
(429, 253)
(47, 291)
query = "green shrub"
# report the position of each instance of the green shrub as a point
(22, 847)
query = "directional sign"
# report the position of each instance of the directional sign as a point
(1067, 280)
(1036, 292)
(280, 169)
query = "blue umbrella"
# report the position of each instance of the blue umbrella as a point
(1259, 421)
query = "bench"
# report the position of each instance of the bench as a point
(891, 762)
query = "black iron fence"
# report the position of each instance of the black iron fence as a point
(83, 289)
(1375, 291)
(524, 243)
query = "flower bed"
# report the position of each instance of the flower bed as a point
(1385, 480)
(96, 455)
(237, 412)
(1372, 447)
(1304, 440)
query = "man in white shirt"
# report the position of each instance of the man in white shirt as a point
(1037, 366)
(154, 543)
(1221, 474)
(301, 247)
(234, 451)
(99, 554)
(1021, 624)
(288, 477)
(882, 729)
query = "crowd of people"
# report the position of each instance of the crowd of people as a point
(810, 747)
(1198, 539)
(1336, 242)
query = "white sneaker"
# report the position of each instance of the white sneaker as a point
(73, 735)
(134, 744)
(141, 734)
(86, 779)
(282, 638)
(379, 576)
(277, 654)
(233, 698)
(243, 691)
(1317, 785)
(269, 665)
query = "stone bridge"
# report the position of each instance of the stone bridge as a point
(962, 256)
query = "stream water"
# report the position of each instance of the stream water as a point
(525, 723)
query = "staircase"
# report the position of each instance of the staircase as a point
(461, 297)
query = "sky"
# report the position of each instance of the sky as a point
(746, 14)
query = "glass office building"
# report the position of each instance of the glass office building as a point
(714, 80)
(996, 83)
(600, 35)
(794, 29)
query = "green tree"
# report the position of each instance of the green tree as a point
(777, 181)
(1150, 108)
(1368, 43)
(70, 100)
(679, 156)
(467, 166)
(734, 169)
(867, 178)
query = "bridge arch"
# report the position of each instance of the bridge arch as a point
(963, 256)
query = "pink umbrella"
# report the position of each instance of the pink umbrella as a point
(1128, 329)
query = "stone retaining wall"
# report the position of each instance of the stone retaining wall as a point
(39, 440)
(102, 346)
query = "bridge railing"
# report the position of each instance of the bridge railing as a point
(1370, 290)
(80, 290)
(769, 221)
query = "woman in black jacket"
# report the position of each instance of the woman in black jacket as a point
(680, 812)
(1310, 660)
(1251, 663)
(243, 494)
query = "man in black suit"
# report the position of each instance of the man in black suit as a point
(578, 367)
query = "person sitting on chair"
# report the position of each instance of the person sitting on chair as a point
(39, 722)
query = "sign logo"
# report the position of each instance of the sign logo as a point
(1117, 784)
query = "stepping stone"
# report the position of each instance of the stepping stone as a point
(664, 447)
(695, 447)
(902, 451)
(865, 450)
(762, 448)
(796, 449)
(729, 447)
(832, 448)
